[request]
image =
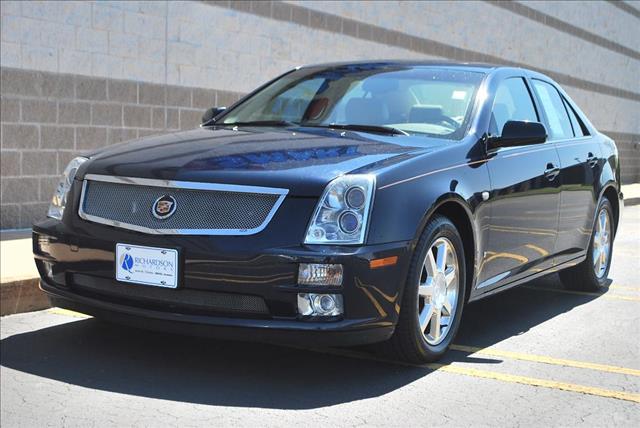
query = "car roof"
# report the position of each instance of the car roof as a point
(478, 67)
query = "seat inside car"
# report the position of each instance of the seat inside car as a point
(366, 111)
(425, 114)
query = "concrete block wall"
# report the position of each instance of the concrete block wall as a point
(80, 75)
(49, 118)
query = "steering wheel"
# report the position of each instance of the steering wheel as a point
(446, 119)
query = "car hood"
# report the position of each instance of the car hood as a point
(300, 160)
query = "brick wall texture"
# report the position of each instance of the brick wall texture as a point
(76, 76)
(49, 118)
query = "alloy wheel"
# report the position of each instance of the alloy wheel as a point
(602, 243)
(438, 291)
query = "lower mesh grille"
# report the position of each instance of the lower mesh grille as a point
(197, 300)
(208, 210)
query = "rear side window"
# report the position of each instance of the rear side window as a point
(555, 110)
(579, 130)
(512, 102)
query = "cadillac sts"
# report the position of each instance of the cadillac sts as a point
(339, 204)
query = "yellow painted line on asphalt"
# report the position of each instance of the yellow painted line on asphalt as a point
(544, 383)
(623, 287)
(546, 360)
(67, 312)
(486, 374)
(586, 293)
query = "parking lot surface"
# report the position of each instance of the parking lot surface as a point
(534, 355)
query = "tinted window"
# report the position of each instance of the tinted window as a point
(554, 108)
(576, 123)
(512, 102)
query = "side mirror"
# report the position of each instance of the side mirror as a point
(212, 112)
(519, 133)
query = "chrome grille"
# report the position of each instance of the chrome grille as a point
(201, 208)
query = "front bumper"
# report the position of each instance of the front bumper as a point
(77, 271)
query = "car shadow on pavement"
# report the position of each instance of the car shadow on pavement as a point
(106, 357)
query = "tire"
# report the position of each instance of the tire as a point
(408, 342)
(583, 276)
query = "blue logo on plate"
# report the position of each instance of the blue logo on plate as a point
(127, 262)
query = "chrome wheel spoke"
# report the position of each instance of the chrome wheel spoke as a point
(448, 305)
(604, 255)
(434, 330)
(444, 321)
(426, 288)
(450, 276)
(441, 260)
(425, 317)
(430, 263)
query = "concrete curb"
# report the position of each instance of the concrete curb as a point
(22, 295)
(631, 202)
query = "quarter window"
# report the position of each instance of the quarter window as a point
(512, 102)
(554, 109)
(579, 129)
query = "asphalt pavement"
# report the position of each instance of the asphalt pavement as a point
(535, 355)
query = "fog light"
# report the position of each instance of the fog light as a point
(319, 274)
(320, 305)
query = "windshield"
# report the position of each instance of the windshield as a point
(414, 100)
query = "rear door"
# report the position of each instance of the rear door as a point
(525, 195)
(580, 161)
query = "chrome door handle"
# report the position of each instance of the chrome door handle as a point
(592, 160)
(551, 172)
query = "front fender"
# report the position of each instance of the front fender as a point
(403, 207)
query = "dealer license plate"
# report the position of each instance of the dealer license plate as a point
(147, 265)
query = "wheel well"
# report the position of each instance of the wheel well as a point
(611, 194)
(458, 216)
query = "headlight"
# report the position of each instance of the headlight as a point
(343, 211)
(59, 200)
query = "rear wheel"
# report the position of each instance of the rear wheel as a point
(591, 274)
(434, 295)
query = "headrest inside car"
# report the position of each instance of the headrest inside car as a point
(425, 114)
(365, 111)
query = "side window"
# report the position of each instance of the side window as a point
(579, 130)
(555, 111)
(512, 102)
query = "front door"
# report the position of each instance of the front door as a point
(524, 198)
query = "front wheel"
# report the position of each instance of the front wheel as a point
(434, 295)
(591, 274)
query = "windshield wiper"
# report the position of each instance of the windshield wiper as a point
(378, 129)
(259, 123)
